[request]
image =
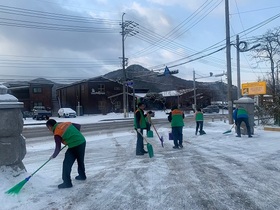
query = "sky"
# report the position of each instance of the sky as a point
(212, 171)
(65, 41)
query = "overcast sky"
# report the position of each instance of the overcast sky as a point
(67, 40)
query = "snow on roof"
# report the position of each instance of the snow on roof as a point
(175, 92)
(140, 95)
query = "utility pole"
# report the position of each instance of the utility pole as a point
(238, 67)
(194, 91)
(127, 30)
(123, 68)
(228, 58)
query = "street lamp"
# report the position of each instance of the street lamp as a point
(194, 85)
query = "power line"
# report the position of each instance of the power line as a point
(241, 22)
(251, 29)
(111, 25)
(158, 41)
(256, 10)
(54, 16)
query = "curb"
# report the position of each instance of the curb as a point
(271, 128)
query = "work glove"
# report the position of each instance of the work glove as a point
(138, 130)
(51, 157)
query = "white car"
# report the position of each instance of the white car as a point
(66, 112)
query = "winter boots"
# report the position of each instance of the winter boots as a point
(65, 185)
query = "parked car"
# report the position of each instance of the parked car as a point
(41, 113)
(27, 114)
(211, 109)
(226, 107)
(66, 112)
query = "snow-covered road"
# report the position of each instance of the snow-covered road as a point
(213, 171)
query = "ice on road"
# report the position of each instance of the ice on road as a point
(212, 171)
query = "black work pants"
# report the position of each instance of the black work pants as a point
(139, 143)
(72, 154)
(199, 124)
(177, 133)
(238, 122)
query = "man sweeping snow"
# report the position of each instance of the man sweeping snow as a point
(69, 134)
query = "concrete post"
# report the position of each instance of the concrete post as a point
(12, 143)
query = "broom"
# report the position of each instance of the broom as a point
(16, 189)
(149, 146)
(228, 131)
(160, 137)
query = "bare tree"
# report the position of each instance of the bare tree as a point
(269, 52)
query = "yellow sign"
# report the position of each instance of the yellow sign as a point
(254, 88)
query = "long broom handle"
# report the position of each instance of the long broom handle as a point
(160, 138)
(232, 126)
(142, 136)
(43, 165)
(155, 130)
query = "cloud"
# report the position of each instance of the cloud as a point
(57, 49)
(27, 52)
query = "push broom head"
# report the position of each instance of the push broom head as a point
(16, 189)
(229, 131)
(150, 150)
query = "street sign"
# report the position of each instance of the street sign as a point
(254, 88)
(168, 72)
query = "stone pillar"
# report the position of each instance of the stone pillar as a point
(12, 143)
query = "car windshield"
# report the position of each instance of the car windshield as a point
(67, 110)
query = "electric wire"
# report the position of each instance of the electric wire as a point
(54, 27)
(161, 42)
(251, 29)
(242, 25)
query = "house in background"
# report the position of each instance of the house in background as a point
(94, 96)
(40, 91)
(104, 94)
(184, 98)
(37, 92)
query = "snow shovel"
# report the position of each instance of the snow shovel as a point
(16, 189)
(149, 146)
(160, 137)
(228, 131)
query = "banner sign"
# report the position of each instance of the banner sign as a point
(254, 88)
